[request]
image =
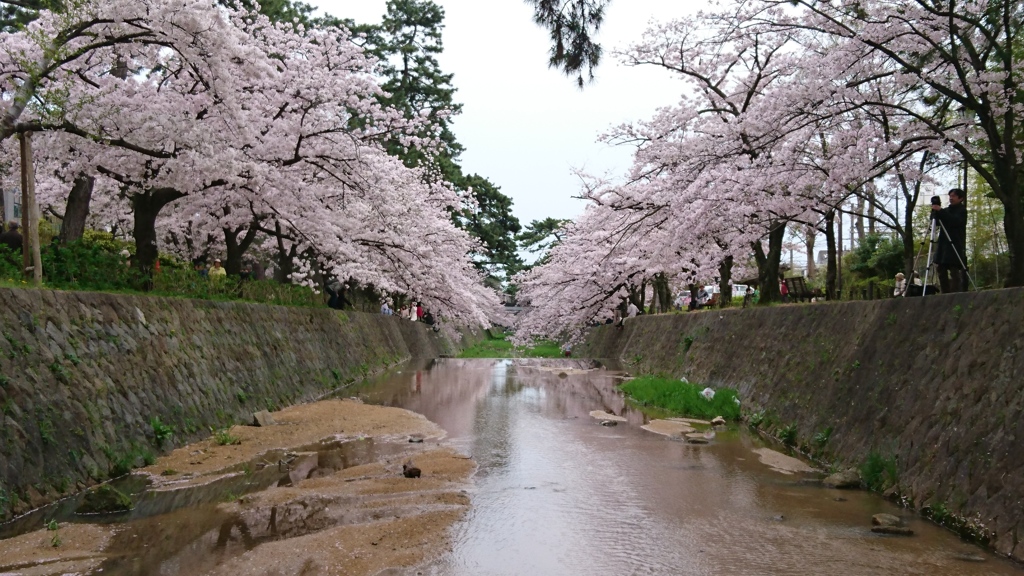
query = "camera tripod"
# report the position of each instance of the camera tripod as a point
(932, 239)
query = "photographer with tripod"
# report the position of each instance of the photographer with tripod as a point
(951, 253)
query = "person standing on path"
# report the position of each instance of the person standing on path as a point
(218, 271)
(12, 238)
(952, 255)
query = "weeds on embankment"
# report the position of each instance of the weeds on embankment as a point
(502, 348)
(682, 398)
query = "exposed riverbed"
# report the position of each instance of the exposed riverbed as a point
(554, 492)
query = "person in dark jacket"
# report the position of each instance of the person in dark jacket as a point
(951, 255)
(12, 238)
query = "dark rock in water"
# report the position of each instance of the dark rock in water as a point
(846, 479)
(886, 520)
(263, 418)
(696, 440)
(609, 423)
(416, 439)
(718, 421)
(894, 530)
(104, 499)
(410, 471)
(563, 375)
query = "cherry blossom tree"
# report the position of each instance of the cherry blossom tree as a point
(255, 133)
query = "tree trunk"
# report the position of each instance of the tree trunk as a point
(810, 236)
(725, 281)
(77, 211)
(1013, 223)
(768, 264)
(285, 258)
(146, 208)
(859, 221)
(236, 248)
(831, 257)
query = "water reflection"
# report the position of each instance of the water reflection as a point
(559, 494)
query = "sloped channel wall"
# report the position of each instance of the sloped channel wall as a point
(936, 383)
(84, 375)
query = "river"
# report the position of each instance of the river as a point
(557, 493)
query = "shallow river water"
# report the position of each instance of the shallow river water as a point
(559, 494)
(556, 494)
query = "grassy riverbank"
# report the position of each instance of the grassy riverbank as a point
(499, 347)
(680, 398)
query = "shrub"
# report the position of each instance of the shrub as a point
(879, 472)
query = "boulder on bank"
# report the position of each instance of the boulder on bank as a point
(104, 500)
(263, 418)
(846, 479)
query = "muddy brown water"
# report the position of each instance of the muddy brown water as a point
(556, 493)
(559, 494)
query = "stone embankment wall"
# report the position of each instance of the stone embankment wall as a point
(84, 375)
(936, 383)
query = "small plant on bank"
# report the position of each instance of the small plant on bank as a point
(821, 438)
(756, 419)
(788, 434)
(52, 526)
(161, 431)
(223, 437)
(682, 398)
(878, 472)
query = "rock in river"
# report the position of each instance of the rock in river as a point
(845, 479)
(894, 530)
(886, 520)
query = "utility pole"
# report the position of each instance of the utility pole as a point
(30, 256)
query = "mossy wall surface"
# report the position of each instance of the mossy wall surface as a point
(936, 383)
(82, 375)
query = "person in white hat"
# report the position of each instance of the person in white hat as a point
(901, 286)
(217, 271)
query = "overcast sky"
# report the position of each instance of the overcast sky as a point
(525, 126)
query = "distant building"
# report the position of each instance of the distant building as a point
(11, 204)
(822, 258)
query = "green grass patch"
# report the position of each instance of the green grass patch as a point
(879, 472)
(502, 348)
(680, 398)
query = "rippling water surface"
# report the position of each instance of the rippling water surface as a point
(559, 494)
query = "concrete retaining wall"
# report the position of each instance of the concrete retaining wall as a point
(83, 375)
(936, 383)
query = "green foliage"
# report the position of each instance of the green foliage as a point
(540, 236)
(502, 348)
(876, 258)
(52, 526)
(407, 43)
(161, 431)
(878, 472)
(756, 419)
(223, 437)
(787, 434)
(682, 398)
(47, 431)
(821, 438)
(95, 263)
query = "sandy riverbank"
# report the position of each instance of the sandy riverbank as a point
(360, 519)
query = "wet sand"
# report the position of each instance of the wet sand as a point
(360, 520)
